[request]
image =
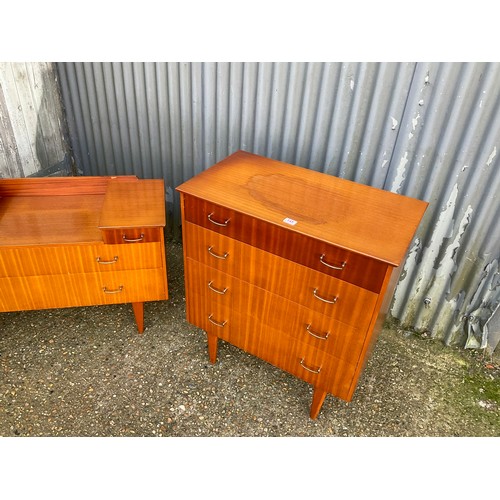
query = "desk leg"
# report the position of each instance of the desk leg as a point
(212, 347)
(317, 402)
(138, 308)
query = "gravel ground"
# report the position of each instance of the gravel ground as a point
(87, 372)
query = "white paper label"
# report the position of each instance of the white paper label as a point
(290, 221)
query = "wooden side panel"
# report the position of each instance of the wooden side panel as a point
(56, 186)
(374, 327)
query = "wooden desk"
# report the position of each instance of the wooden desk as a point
(292, 265)
(81, 241)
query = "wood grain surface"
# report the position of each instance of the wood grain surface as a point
(293, 266)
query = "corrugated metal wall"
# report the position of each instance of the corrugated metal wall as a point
(427, 130)
(33, 130)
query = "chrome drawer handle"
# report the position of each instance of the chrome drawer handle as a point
(329, 265)
(220, 292)
(118, 290)
(99, 261)
(222, 224)
(217, 256)
(216, 323)
(324, 300)
(316, 334)
(127, 240)
(309, 369)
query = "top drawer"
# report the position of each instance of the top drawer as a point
(318, 255)
(132, 235)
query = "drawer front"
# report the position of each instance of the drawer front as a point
(316, 367)
(225, 290)
(332, 297)
(132, 235)
(298, 358)
(282, 241)
(211, 292)
(318, 331)
(41, 260)
(44, 292)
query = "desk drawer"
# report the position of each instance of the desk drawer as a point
(45, 292)
(285, 242)
(46, 260)
(132, 235)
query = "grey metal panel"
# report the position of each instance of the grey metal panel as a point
(447, 155)
(32, 125)
(428, 130)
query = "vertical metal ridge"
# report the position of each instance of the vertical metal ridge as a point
(454, 181)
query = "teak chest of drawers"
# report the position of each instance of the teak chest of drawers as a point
(292, 265)
(82, 241)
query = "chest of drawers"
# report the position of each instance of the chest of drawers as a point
(293, 266)
(82, 241)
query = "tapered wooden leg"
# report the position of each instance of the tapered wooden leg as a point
(138, 308)
(317, 402)
(212, 347)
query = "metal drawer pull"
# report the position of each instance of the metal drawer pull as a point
(330, 266)
(118, 290)
(127, 240)
(220, 292)
(316, 334)
(223, 224)
(216, 323)
(225, 256)
(309, 369)
(324, 300)
(107, 261)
